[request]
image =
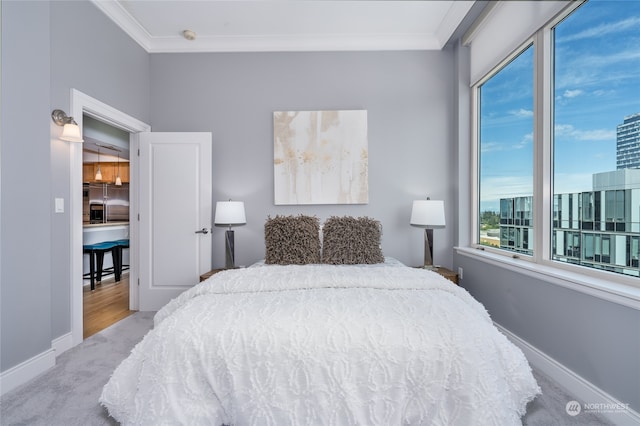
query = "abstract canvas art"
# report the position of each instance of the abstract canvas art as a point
(320, 157)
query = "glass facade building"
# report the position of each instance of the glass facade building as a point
(599, 228)
(628, 143)
(516, 224)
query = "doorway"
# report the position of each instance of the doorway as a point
(84, 105)
(105, 225)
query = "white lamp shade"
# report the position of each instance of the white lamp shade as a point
(428, 214)
(71, 133)
(230, 213)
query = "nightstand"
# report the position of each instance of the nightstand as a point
(211, 272)
(447, 273)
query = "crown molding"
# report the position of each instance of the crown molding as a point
(285, 43)
(297, 43)
(125, 21)
(450, 23)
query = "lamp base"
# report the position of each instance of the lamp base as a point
(229, 250)
(428, 249)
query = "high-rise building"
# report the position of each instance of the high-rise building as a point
(628, 143)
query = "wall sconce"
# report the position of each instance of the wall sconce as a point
(71, 130)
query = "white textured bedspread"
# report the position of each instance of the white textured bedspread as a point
(322, 345)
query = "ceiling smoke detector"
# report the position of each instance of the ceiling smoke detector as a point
(189, 35)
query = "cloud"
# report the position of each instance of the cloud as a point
(572, 93)
(593, 69)
(522, 113)
(569, 131)
(491, 146)
(608, 28)
(525, 141)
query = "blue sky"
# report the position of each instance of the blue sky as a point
(597, 84)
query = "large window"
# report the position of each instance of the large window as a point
(506, 155)
(584, 155)
(596, 133)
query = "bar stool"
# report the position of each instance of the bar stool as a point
(122, 244)
(99, 249)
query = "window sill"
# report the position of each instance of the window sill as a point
(613, 291)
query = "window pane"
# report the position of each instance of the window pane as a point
(596, 135)
(506, 156)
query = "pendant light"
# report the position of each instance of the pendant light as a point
(118, 180)
(99, 172)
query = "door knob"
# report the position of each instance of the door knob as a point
(203, 231)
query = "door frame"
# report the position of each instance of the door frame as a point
(84, 104)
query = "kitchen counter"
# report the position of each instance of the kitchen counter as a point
(104, 225)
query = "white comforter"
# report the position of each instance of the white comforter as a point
(322, 345)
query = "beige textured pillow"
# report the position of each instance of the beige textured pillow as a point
(350, 241)
(292, 240)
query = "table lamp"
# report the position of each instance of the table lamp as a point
(229, 213)
(428, 214)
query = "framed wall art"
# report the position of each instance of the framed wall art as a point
(320, 157)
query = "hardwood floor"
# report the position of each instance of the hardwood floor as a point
(106, 305)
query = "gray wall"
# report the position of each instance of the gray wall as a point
(47, 49)
(25, 194)
(597, 339)
(408, 96)
(91, 54)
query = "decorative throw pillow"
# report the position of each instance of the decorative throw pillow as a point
(350, 241)
(292, 240)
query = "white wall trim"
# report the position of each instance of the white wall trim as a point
(585, 391)
(85, 104)
(118, 14)
(62, 343)
(27, 370)
(286, 43)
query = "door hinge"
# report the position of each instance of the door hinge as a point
(138, 217)
(138, 282)
(138, 152)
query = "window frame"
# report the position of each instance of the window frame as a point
(475, 151)
(543, 189)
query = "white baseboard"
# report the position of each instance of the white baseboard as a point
(31, 368)
(62, 343)
(585, 391)
(27, 370)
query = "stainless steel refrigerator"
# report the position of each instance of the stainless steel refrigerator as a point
(108, 203)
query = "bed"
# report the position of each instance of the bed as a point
(377, 343)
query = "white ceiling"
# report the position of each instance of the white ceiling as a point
(287, 25)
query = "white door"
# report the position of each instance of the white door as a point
(175, 214)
